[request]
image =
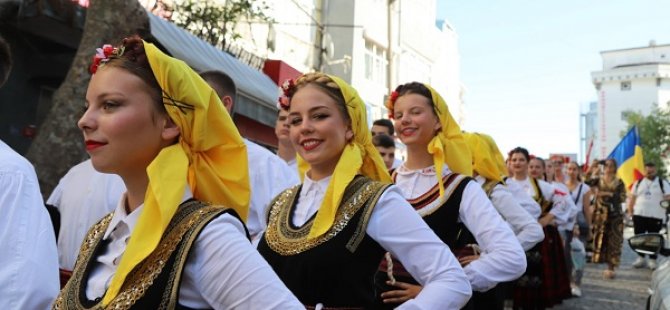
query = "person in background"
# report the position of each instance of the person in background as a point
(28, 259)
(386, 147)
(269, 175)
(607, 229)
(580, 194)
(285, 149)
(82, 197)
(578, 262)
(177, 237)
(382, 126)
(559, 164)
(644, 205)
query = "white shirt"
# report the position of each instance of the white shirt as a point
(526, 228)
(293, 165)
(398, 228)
(269, 175)
(648, 196)
(83, 196)
(502, 257)
(569, 224)
(28, 259)
(577, 197)
(223, 270)
(560, 200)
(524, 199)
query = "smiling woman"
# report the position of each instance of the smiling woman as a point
(143, 120)
(326, 237)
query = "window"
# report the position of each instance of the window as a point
(375, 63)
(625, 85)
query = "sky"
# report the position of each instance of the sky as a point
(526, 65)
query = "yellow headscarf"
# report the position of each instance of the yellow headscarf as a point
(448, 146)
(210, 155)
(359, 156)
(495, 152)
(483, 159)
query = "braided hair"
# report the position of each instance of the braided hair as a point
(324, 83)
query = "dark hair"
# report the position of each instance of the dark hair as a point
(221, 82)
(521, 151)
(413, 88)
(5, 61)
(579, 169)
(613, 161)
(649, 164)
(134, 60)
(324, 83)
(383, 141)
(386, 123)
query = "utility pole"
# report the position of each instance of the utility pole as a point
(389, 51)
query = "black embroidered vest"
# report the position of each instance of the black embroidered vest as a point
(337, 268)
(155, 282)
(441, 215)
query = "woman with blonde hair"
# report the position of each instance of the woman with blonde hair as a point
(177, 237)
(326, 236)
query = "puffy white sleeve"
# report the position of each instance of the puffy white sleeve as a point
(224, 271)
(399, 229)
(526, 201)
(502, 257)
(526, 228)
(562, 204)
(28, 260)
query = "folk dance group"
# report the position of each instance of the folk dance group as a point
(205, 219)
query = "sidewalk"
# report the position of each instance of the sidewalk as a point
(628, 291)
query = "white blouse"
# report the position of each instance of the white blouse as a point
(569, 224)
(562, 206)
(398, 228)
(223, 270)
(524, 199)
(526, 228)
(502, 257)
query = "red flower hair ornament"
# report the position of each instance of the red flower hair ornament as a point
(288, 88)
(391, 102)
(102, 55)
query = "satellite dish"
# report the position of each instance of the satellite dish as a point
(327, 46)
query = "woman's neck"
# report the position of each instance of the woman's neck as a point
(418, 158)
(520, 176)
(285, 151)
(136, 188)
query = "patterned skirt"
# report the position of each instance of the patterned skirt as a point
(607, 236)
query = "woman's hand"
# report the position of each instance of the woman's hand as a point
(405, 292)
(546, 220)
(465, 260)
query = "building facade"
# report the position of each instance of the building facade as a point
(633, 79)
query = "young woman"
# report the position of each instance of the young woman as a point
(580, 194)
(546, 281)
(610, 193)
(326, 237)
(153, 121)
(434, 180)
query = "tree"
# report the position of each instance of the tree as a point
(654, 130)
(59, 144)
(214, 21)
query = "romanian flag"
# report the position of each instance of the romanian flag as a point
(628, 154)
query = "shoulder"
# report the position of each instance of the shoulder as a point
(13, 163)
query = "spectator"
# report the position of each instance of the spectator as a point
(386, 147)
(382, 126)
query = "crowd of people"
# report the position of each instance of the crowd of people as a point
(175, 209)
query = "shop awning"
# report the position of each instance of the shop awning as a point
(256, 92)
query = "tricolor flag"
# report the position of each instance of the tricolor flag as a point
(628, 154)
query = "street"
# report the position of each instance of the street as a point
(629, 290)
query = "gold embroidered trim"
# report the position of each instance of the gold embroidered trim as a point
(285, 240)
(192, 214)
(359, 233)
(438, 203)
(488, 187)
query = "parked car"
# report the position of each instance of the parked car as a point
(659, 297)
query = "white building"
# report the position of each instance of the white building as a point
(351, 39)
(631, 79)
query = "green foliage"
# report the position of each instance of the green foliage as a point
(654, 132)
(214, 21)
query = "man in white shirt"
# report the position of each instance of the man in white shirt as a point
(285, 149)
(83, 196)
(269, 175)
(644, 205)
(28, 259)
(384, 126)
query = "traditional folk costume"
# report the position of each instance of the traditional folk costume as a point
(326, 238)
(160, 255)
(608, 221)
(546, 281)
(458, 211)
